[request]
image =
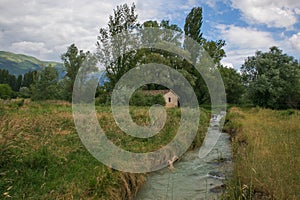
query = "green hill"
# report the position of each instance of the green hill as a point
(20, 64)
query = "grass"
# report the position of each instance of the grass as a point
(42, 157)
(266, 149)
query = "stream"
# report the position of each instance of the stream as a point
(192, 177)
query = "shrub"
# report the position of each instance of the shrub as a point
(140, 99)
(6, 91)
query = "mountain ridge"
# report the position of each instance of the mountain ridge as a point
(18, 64)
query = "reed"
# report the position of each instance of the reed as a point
(266, 149)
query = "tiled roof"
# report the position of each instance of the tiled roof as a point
(155, 92)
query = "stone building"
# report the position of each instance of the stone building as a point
(171, 98)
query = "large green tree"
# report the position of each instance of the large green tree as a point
(73, 59)
(272, 79)
(113, 42)
(193, 23)
(211, 53)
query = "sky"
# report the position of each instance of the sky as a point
(44, 29)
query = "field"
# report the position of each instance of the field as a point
(266, 149)
(42, 157)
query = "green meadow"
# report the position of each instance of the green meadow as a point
(42, 156)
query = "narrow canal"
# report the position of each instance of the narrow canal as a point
(192, 177)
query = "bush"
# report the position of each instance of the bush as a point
(140, 99)
(24, 92)
(6, 91)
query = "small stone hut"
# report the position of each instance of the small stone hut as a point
(171, 98)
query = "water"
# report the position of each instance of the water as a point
(192, 177)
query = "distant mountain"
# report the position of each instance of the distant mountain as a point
(18, 64)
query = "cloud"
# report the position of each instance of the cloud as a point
(227, 64)
(243, 42)
(295, 42)
(31, 47)
(57, 24)
(273, 13)
(246, 37)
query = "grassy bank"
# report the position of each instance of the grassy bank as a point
(266, 149)
(42, 157)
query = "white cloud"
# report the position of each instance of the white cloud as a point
(295, 42)
(238, 57)
(246, 37)
(57, 24)
(227, 64)
(273, 13)
(37, 48)
(243, 42)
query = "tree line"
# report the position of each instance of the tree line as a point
(267, 79)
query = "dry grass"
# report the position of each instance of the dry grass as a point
(267, 154)
(42, 157)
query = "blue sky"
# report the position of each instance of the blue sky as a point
(45, 29)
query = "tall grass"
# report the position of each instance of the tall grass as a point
(42, 157)
(266, 148)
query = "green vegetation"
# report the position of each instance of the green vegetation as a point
(266, 150)
(5, 91)
(42, 156)
(272, 79)
(141, 99)
(118, 63)
(46, 85)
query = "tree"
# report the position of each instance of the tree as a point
(46, 85)
(19, 82)
(193, 23)
(73, 60)
(5, 91)
(272, 79)
(215, 50)
(29, 78)
(7, 78)
(113, 42)
(213, 53)
(233, 84)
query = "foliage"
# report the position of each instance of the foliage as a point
(118, 61)
(142, 99)
(46, 85)
(233, 84)
(29, 78)
(11, 80)
(73, 60)
(193, 23)
(215, 50)
(24, 92)
(110, 39)
(5, 91)
(213, 53)
(272, 79)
